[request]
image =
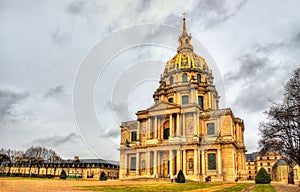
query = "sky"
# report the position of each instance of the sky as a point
(72, 70)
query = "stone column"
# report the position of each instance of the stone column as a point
(149, 127)
(171, 125)
(171, 162)
(158, 164)
(202, 162)
(183, 125)
(178, 161)
(209, 99)
(219, 162)
(195, 162)
(138, 130)
(195, 123)
(155, 163)
(178, 133)
(148, 163)
(137, 163)
(184, 162)
(155, 127)
(125, 163)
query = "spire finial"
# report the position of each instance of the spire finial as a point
(184, 26)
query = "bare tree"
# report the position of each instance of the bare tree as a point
(281, 132)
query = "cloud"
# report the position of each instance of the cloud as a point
(113, 133)
(75, 7)
(59, 35)
(56, 140)
(214, 12)
(258, 80)
(251, 68)
(54, 91)
(9, 101)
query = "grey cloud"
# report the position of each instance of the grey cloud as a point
(9, 99)
(257, 96)
(260, 81)
(121, 111)
(291, 43)
(58, 35)
(56, 140)
(252, 67)
(75, 7)
(54, 91)
(113, 133)
(214, 12)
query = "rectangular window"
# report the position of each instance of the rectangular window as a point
(200, 101)
(133, 136)
(210, 128)
(212, 165)
(185, 99)
(133, 163)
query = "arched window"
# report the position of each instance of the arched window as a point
(198, 78)
(166, 133)
(171, 80)
(184, 77)
(170, 100)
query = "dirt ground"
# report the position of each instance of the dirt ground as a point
(57, 185)
(43, 185)
(281, 187)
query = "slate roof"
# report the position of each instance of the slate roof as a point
(251, 156)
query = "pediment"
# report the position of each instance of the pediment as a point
(163, 106)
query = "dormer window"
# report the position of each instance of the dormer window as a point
(170, 100)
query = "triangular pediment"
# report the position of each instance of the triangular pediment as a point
(163, 106)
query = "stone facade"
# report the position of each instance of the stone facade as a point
(185, 129)
(280, 171)
(272, 163)
(77, 168)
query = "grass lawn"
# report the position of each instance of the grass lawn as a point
(264, 187)
(237, 187)
(165, 187)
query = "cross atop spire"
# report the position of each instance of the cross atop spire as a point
(185, 39)
(183, 25)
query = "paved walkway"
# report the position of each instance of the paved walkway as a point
(281, 187)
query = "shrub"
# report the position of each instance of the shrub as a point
(63, 175)
(180, 177)
(262, 176)
(103, 177)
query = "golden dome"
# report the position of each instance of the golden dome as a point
(186, 60)
(185, 57)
